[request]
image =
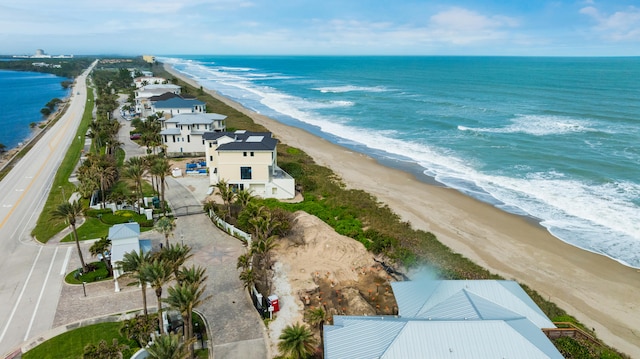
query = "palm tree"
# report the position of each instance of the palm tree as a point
(244, 197)
(69, 211)
(161, 168)
(175, 255)
(101, 247)
(192, 275)
(169, 346)
(226, 193)
(108, 173)
(317, 317)
(134, 172)
(185, 298)
(158, 273)
(165, 225)
(248, 277)
(132, 264)
(297, 342)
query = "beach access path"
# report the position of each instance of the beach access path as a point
(600, 292)
(31, 272)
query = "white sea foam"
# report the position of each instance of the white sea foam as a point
(596, 217)
(351, 88)
(538, 125)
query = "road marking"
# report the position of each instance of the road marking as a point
(44, 285)
(63, 270)
(19, 189)
(24, 287)
(7, 205)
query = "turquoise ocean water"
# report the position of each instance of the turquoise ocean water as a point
(556, 139)
(22, 96)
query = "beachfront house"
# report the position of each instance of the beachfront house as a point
(125, 238)
(248, 161)
(148, 80)
(447, 319)
(183, 134)
(143, 95)
(177, 105)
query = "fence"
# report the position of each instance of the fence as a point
(232, 230)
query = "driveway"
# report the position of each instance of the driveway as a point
(235, 328)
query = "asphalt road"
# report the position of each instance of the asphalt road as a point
(31, 273)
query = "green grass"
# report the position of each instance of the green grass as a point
(70, 345)
(99, 274)
(47, 226)
(92, 228)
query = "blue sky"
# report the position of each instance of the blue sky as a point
(323, 27)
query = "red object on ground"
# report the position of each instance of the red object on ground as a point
(274, 302)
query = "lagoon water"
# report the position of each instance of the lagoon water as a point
(556, 139)
(22, 96)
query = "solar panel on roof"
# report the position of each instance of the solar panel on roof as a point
(255, 138)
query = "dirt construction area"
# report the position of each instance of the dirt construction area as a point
(317, 267)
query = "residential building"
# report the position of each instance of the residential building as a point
(248, 161)
(183, 134)
(447, 319)
(178, 105)
(142, 95)
(143, 81)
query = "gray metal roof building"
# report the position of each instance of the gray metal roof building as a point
(447, 319)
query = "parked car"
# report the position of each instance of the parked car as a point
(135, 136)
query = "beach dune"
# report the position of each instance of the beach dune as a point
(600, 292)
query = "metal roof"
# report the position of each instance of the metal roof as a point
(400, 338)
(178, 102)
(124, 231)
(170, 131)
(471, 299)
(195, 118)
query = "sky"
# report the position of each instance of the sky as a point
(322, 27)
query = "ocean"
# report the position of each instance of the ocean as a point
(554, 139)
(22, 96)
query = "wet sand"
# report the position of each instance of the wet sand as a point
(600, 292)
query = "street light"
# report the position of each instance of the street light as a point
(64, 198)
(182, 237)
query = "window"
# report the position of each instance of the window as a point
(210, 158)
(188, 138)
(245, 173)
(244, 154)
(251, 154)
(174, 138)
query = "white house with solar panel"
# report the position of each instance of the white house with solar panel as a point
(248, 161)
(447, 319)
(182, 134)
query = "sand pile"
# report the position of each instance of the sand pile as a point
(316, 265)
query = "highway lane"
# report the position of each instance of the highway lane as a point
(31, 274)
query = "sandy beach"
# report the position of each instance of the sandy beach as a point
(598, 291)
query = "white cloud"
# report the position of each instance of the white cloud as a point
(619, 26)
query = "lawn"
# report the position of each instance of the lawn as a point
(71, 344)
(99, 274)
(92, 228)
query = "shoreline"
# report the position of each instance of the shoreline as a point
(599, 291)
